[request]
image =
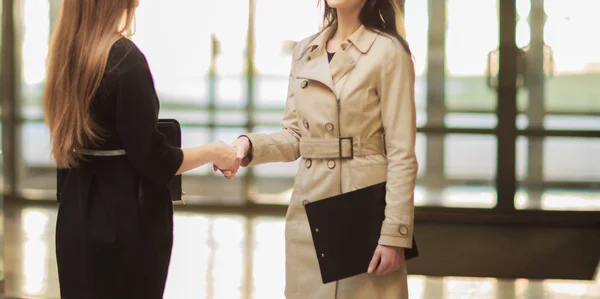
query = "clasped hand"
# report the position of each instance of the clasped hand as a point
(230, 158)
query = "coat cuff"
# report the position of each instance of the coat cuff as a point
(258, 144)
(395, 241)
(397, 235)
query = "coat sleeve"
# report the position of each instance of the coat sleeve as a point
(136, 124)
(282, 146)
(398, 113)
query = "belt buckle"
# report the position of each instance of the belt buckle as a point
(340, 140)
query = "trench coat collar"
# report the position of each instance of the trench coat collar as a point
(316, 65)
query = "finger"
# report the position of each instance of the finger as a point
(374, 261)
(384, 265)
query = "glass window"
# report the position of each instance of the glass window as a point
(562, 175)
(457, 170)
(563, 70)
(466, 58)
(197, 53)
(36, 26)
(470, 157)
(276, 35)
(576, 60)
(183, 40)
(562, 91)
(416, 35)
(175, 36)
(39, 168)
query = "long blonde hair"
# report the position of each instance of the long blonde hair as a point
(81, 43)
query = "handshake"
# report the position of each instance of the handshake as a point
(227, 158)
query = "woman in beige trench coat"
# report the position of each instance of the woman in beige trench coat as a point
(365, 92)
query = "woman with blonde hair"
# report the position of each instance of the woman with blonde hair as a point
(350, 117)
(114, 229)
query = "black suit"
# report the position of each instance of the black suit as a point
(115, 221)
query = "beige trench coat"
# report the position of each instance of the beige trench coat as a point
(373, 78)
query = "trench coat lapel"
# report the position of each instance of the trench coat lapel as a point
(317, 67)
(315, 63)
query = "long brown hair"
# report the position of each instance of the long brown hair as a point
(81, 43)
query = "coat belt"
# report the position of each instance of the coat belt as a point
(341, 148)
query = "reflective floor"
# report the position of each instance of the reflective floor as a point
(228, 256)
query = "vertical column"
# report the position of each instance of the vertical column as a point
(436, 87)
(9, 76)
(507, 107)
(10, 80)
(249, 177)
(212, 86)
(535, 84)
(250, 84)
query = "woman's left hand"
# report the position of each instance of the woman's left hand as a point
(386, 260)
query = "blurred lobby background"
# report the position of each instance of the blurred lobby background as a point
(508, 104)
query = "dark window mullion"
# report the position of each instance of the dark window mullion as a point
(507, 107)
(11, 99)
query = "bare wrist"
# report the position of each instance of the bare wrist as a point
(211, 151)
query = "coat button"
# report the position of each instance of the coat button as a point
(322, 255)
(308, 163)
(331, 164)
(305, 123)
(304, 84)
(403, 230)
(329, 127)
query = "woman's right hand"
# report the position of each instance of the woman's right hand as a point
(225, 156)
(242, 144)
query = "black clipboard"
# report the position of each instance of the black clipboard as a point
(171, 129)
(346, 230)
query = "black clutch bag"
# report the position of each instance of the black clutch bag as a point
(346, 230)
(172, 131)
